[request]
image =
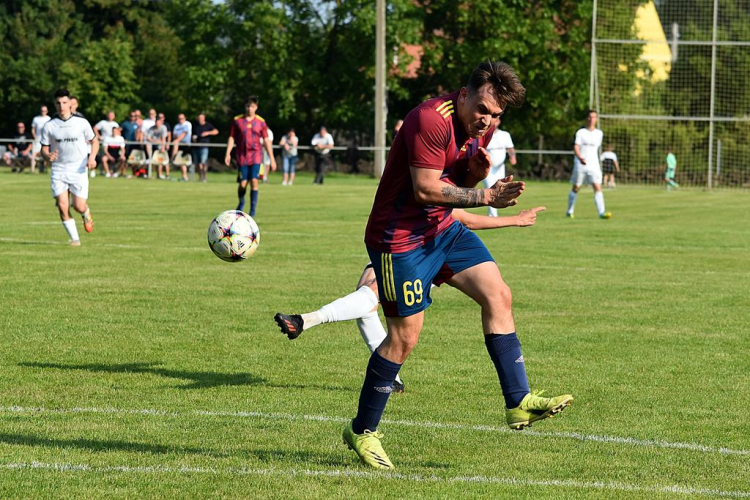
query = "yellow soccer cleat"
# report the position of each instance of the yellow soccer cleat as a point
(606, 215)
(368, 447)
(533, 407)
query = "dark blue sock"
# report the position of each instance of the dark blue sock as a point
(241, 196)
(253, 202)
(505, 351)
(375, 391)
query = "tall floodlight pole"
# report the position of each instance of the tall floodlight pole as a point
(713, 99)
(380, 106)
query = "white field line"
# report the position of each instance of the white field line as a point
(650, 443)
(380, 476)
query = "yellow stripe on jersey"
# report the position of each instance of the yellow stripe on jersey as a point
(445, 113)
(443, 105)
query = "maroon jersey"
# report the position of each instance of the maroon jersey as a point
(247, 137)
(431, 137)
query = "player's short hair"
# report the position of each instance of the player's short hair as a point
(252, 99)
(588, 113)
(502, 78)
(62, 93)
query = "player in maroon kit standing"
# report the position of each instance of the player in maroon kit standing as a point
(247, 131)
(437, 158)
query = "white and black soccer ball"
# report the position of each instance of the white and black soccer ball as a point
(233, 236)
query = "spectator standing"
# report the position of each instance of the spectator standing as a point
(202, 133)
(114, 153)
(104, 128)
(36, 133)
(130, 131)
(247, 131)
(289, 156)
(183, 132)
(323, 143)
(20, 151)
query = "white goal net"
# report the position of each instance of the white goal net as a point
(674, 74)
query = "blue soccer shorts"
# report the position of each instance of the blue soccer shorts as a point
(247, 172)
(405, 279)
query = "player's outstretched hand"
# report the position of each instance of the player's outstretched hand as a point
(92, 161)
(227, 160)
(505, 192)
(528, 217)
(479, 164)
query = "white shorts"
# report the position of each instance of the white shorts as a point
(582, 177)
(36, 148)
(75, 182)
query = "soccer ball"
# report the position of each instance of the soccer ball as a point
(233, 236)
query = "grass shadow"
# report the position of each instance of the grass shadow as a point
(200, 380)
(98, 445)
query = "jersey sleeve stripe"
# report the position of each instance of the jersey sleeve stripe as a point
(446, 103)
(446, 114)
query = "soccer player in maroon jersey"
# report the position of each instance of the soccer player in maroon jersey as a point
(247, 131)
(437, 158)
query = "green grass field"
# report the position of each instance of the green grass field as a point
(140, 365)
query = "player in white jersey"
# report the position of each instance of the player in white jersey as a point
(37, 124)
(65, 142)
(586, 168)
(500, 147)
(362, 304)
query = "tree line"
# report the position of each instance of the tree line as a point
(310, 62)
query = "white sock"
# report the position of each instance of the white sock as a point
(572, 201)
(70, 227)
(353, 306)
(371, 329)
(492, 211)
(372, 332)
(599, 200)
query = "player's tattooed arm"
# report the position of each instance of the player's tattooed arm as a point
(459, 197)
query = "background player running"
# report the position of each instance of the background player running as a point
(65, 140)
(362, 304)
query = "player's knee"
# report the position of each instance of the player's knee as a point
(501, 298)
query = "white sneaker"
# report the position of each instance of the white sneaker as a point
(116, 175)
(162, 177)
(283, 183)
(108, 176)
(92, 174)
